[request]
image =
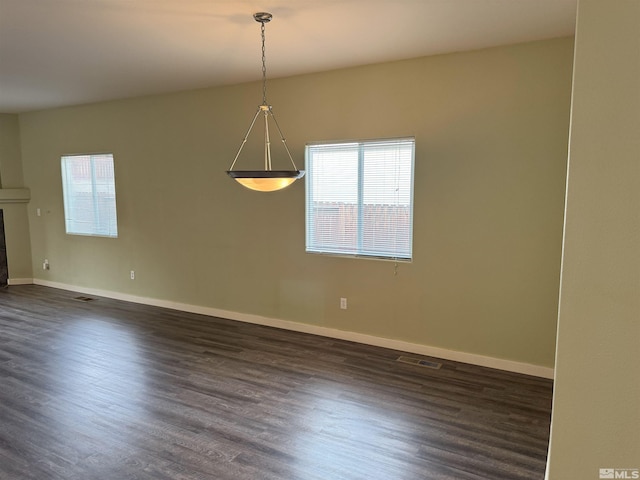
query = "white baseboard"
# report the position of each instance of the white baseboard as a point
(20, 281)
(472, 358)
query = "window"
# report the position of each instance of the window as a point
(359, 198)
(89, 190)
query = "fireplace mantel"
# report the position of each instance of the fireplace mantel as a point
(14, 195)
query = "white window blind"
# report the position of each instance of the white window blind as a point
(359, 198)
(89, 190)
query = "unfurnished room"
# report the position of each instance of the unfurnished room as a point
(382, 240)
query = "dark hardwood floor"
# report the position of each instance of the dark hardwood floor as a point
(113, 390)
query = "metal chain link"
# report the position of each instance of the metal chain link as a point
(264, 68)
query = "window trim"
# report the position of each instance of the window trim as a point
(360, 199)
(93, 194)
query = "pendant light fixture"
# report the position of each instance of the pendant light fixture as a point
(267, 180)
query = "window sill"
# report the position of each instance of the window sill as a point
(360, 256)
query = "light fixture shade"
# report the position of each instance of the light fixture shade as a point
(265, 180)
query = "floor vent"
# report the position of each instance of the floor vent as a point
(84, 299)
(419, 362)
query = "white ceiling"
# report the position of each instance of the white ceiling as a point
(67, 52)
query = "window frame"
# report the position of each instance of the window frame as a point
(361, 144)
(98, 228)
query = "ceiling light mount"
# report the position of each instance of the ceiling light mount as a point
(262, 17)
(267, 180)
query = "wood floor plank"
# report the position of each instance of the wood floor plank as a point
(106, 389)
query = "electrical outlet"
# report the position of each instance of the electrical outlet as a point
(343, 303)
(45, 264)
(133, 275)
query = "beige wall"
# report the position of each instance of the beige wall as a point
(10, 159)
(596, 409)
(491, 130)
(14, 209)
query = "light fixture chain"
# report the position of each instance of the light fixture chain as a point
(264, 67)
